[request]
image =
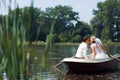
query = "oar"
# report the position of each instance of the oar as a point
(112, 56)
(55, 66)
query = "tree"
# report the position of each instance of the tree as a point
(30, 19)
(112, 17)
(107, 20)
(57, 20)
(97, 23)
(63, 17)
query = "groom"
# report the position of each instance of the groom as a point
(83, 50)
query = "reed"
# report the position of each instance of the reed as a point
(13, 31)
(12, 42)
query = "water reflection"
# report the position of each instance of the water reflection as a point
(99, 76)
(54, 56)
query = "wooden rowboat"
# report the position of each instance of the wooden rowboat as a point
(74, 65)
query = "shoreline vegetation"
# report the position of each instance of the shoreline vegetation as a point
(44, 43)
(68, 43)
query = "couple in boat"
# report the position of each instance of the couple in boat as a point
(91, 48)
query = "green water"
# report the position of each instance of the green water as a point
(41, 64)
(42, 68)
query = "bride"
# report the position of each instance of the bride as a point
(97, 48)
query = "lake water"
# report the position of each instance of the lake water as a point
(42, 64)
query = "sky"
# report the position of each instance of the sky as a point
(83, 7)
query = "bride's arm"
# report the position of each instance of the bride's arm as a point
(93, 52)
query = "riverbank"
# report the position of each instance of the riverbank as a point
(69, 43)
(44, 43)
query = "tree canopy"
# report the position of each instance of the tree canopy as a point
(106, 22)
(67, 26)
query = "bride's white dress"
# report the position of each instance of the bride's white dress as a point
(99, 51)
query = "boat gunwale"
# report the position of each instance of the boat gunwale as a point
(71, 59)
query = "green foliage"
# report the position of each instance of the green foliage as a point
(55, 38)
(39, 26)
(107, 42)
(63, 37)
(76, 38)
(105, 34)
(13, 38)
(106, 20)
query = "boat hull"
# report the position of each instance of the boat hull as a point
(90, 67)
(83, 67)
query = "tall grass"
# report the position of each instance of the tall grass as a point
(12, 42)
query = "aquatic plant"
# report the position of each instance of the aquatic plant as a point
(13, 43)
